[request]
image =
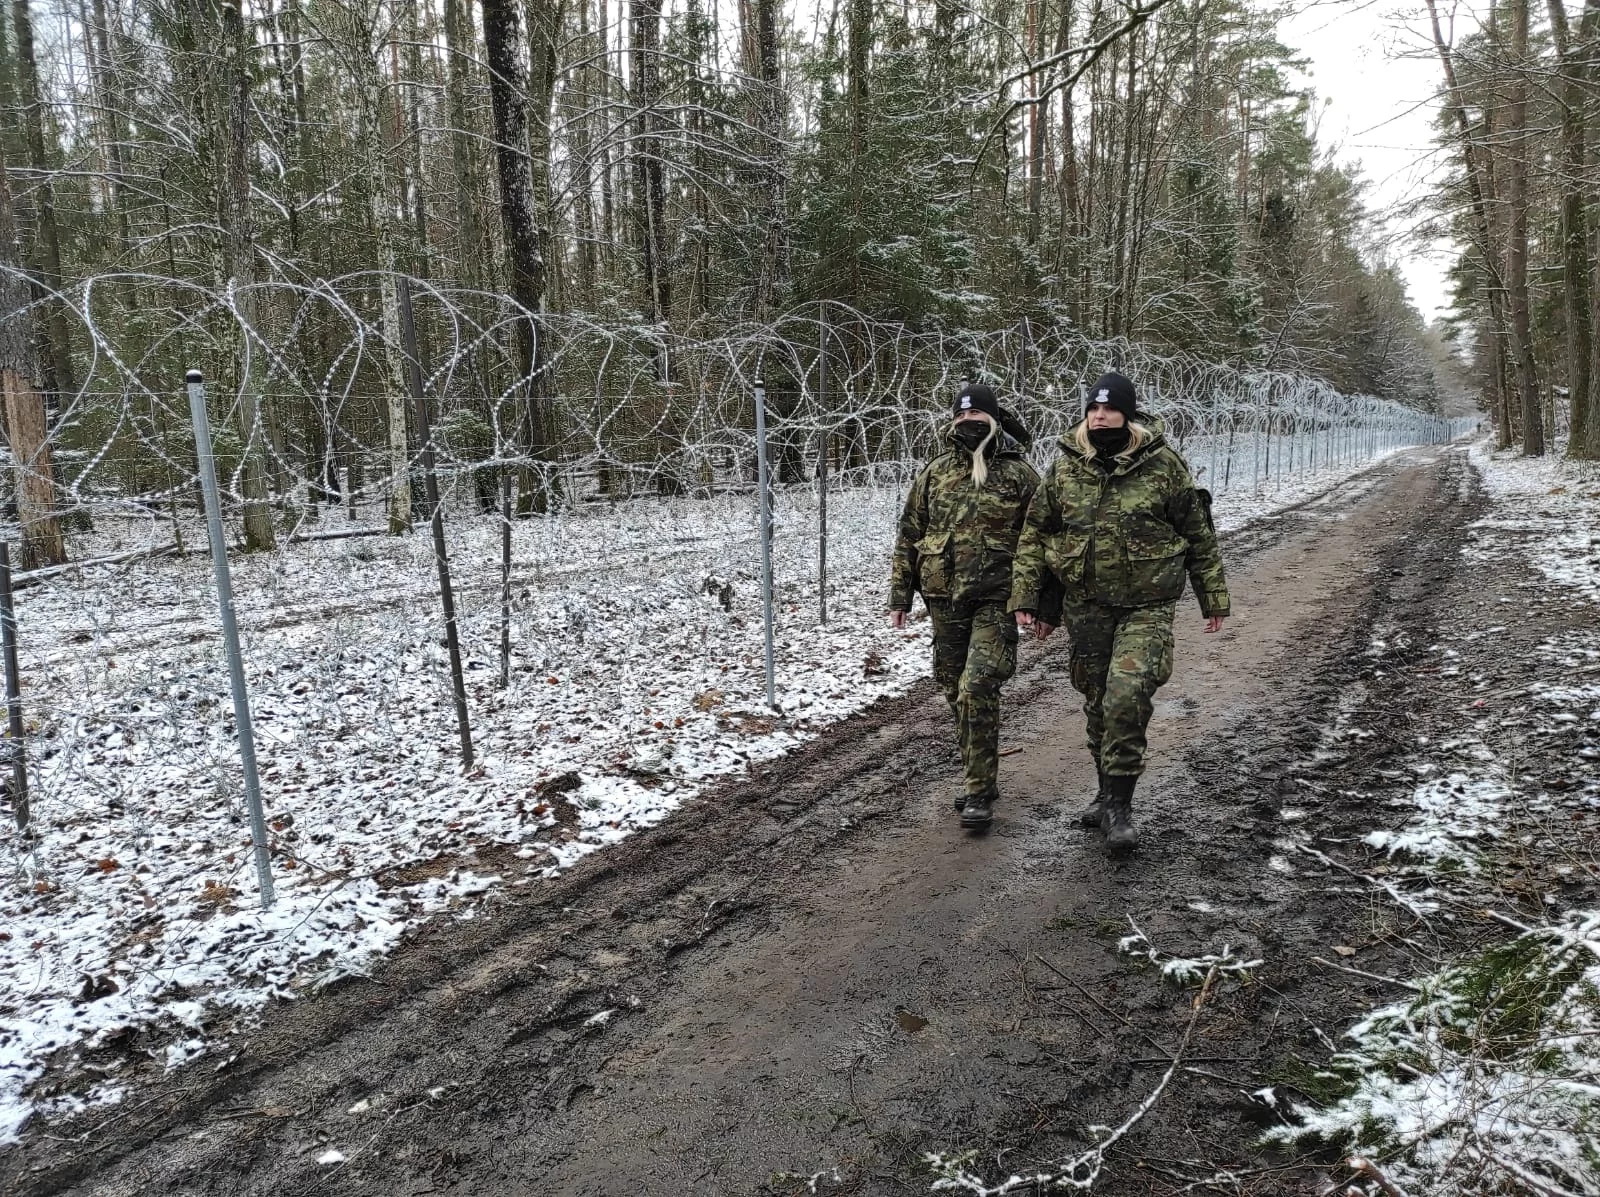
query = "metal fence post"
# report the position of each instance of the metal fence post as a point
(766, 534)
(1216, 436)
(1255, 453)
(230, 632)
(15, 731)
(441, 558)
(823, 440)
(1267, 418)
(505, 577)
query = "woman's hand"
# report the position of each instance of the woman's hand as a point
(1028, 620)
(1214, 624)
(897, 619)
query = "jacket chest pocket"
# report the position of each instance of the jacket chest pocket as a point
(1064, 553)
(935, 564)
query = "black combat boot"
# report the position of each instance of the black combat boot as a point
(978, 812)
(1117, 820)
(1090, 817)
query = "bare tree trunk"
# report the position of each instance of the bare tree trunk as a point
(110, 88)
(1504, 392)
(1119, 249)
(46, 255)
(1517, 247)
(364, 49)
(581, 111)
(1574, 232)
(650, 200)
(544, 36)
(771, 107)
(1584, 53)
(290, 127)
(1480, 189)
(701, 64)
(419, 192)
(1071, 215)
(463, 156)
(858, 50)
(239, 232)
(24, 411)
(1035, 121)
(508, 94)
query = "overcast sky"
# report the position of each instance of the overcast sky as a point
(1373, 62)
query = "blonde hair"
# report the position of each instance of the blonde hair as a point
(1138, 434)
(980, 466)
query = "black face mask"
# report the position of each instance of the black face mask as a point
(1108, 442)
(969, 434)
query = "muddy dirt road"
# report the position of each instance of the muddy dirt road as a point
(811, 979)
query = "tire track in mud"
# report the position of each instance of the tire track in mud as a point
(813, 973)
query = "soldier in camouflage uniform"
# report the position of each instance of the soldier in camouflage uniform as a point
(1119, 525)
(958, 536)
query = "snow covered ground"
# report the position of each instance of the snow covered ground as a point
(129, 918)
(1487, 1078)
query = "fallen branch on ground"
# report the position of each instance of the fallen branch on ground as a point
(337, 534)
(33, 577)
(1358, 972)
(1176, 968)
(1420, 909)
(1082, 1171)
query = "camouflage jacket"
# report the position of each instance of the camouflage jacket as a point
(957, 541)
(1124, 537)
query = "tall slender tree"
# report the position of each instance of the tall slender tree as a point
(23, 404)
(46, 255)
(502, 28)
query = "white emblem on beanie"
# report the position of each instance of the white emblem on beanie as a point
(1103, 397)
(966, 402)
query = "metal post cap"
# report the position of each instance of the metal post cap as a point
(759, 383)
(192, 376)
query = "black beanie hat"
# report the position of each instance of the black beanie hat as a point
(977, 397)
(1116, 392)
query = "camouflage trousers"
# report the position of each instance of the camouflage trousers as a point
(974, 652)
(1120, 657)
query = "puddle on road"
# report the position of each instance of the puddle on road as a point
(909, 1022)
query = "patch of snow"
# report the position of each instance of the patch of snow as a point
(1545, 512)
(1452, 813)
